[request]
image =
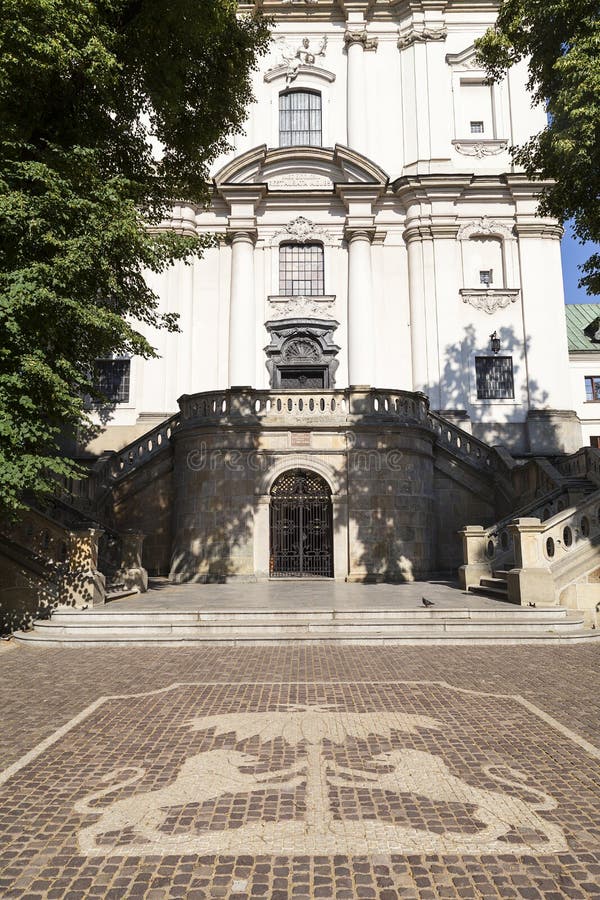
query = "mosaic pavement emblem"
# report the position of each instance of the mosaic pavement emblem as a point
(327, 772)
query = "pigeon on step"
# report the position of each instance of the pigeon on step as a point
(427, 602)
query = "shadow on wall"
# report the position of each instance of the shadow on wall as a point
(457, 388)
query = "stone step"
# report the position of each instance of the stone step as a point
(258, 638)
(234, 626)
(495, 583)
(496, 591)
(504, 612)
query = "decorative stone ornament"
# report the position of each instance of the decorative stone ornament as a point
(420, 34)
(301, 341)
(484, 226)
(302, 230)
(489, 299)
(480, 149)
(303, 54)
(301, 307)
(360, 36)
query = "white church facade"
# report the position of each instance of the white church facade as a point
(383, 309)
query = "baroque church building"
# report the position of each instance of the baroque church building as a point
(377, 344)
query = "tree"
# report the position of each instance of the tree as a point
(87, 89)
(560, 39)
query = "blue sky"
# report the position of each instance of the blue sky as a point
(573, 254)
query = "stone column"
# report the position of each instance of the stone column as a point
(357, 41)
(418, 318)
(361, 338)
(242, 311)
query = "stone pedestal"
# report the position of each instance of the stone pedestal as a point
(83, 585)
(531, 580)
(476, 564)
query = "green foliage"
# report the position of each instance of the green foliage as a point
(87, 88)
(560, 39)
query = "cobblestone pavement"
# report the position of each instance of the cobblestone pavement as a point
(300, 772)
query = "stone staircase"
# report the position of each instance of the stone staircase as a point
(494, 585)
(485, 624)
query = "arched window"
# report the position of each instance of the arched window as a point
(301, 270)
(300, 119)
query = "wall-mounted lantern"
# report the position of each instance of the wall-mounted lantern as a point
(494, 343)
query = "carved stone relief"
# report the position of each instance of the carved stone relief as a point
(480, 149)
(489, 299)
(294, 55)
(301, 307)
(485, 226)
(302, 342)
(302, 229)
(420, 34)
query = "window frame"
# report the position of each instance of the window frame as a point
(495, 398)
(308, 92)
(595, 385)
(317, 286)
(127, 377)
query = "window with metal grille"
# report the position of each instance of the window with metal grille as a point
(301, 270)
(486, 276)
(113, 379)
(494, 377)
(300, 119)
(477, 128)
(592, 388)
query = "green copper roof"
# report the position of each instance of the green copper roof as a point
(579, 317)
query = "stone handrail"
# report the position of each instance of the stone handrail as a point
(327, 406)
(570, 529)
(498, 539)
(464, 444)
(585, 463)
(135, 454)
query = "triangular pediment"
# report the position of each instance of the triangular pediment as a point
(301, 169)
(466, 60)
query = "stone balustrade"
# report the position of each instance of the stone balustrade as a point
(585, 463)
(569, 530)
(327, 407)
(138, 452)
(464, 444)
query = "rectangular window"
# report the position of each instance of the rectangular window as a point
(494, 377)
(595, 441)
(113, 378)
(301, 270)
(592, 388)
(300, 119)
(486, 277)
(477, 128)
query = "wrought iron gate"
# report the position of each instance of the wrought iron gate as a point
(301, 526)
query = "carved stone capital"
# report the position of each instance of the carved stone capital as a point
(235, 235)
(359, 233)
(420, 34)
(360, 37)
(489, 299)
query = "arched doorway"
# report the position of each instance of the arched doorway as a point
(301, 526)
